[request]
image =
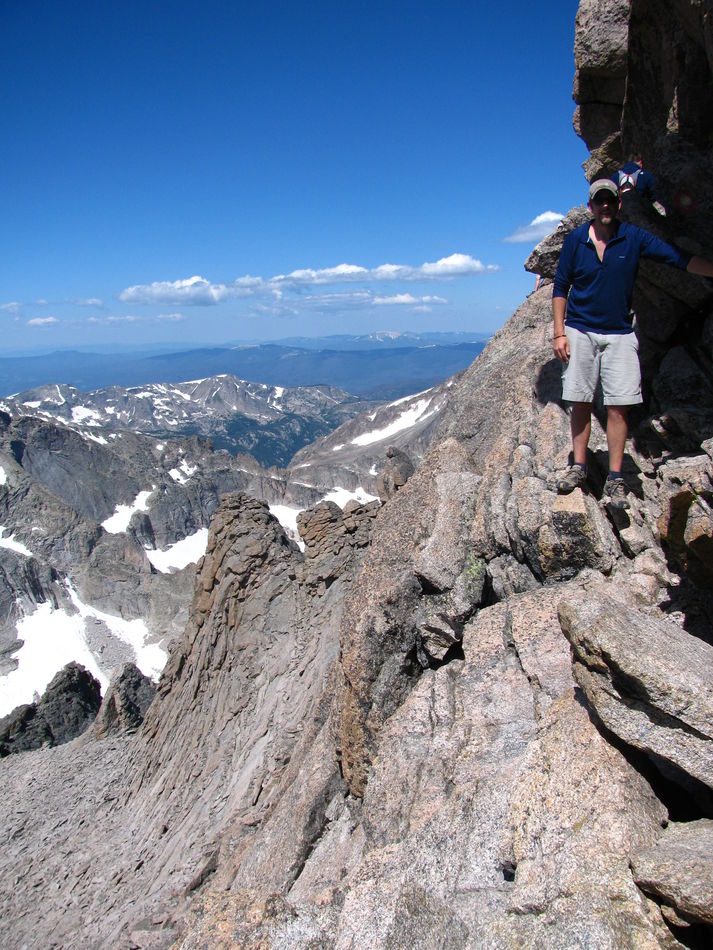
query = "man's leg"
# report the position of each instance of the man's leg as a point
(579, 380)
(580, 422)
(617, 431)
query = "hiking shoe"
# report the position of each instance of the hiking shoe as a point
(574, 477)
(616, 492)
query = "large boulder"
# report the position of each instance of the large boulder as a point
(678, 870)
(647, 680)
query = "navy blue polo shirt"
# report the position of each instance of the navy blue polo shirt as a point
(598, 292)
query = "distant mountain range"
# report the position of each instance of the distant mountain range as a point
(270, 423)
(378, 366)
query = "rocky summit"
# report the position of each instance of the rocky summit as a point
(477, 716)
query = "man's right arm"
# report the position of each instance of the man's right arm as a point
(562, 283)
(560, 343)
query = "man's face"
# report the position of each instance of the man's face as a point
(604, 206)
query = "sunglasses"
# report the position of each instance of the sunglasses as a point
(605, 198)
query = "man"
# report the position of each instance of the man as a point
(634, 180)
(593, 326)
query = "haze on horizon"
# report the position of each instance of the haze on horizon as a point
(217, 172)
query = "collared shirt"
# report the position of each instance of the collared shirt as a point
(598, 292)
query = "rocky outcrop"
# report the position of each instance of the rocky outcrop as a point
(67, 707)
(125, 703)
(330, 535)
(394, 475)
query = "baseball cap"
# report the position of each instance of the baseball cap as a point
(603, 184)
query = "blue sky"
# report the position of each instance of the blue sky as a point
(221, 171)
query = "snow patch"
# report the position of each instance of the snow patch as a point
(398, 402)
(3, 476)
(12, 545)
(288, 519)
(51, 639)
(342, 495)
(177, 556)
(119, 521)
(150, 658)
(83, 414)
(188, 469)
(412, 415)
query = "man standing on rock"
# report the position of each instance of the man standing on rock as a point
(593, 326)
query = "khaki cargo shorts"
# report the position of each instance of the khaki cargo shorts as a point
(611, 357)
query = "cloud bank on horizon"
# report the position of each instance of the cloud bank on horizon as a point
(198, 291)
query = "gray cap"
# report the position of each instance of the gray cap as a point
(603, 184)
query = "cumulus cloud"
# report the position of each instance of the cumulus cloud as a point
(192, 291)
(199, 291)
(42, 321)
(408, 299)
(537, 229)
(325, 275)
(175, 317)
(13, 307)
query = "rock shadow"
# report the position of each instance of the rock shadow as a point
(548, 385)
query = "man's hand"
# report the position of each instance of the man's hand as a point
(560, 345)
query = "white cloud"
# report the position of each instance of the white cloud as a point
(408, 299)
(192, 291)
(353, 298)
(42, 321)
(325, 275)
(457, 265)
(199, 291)
(537, 229)
(13, 307)
(88, 302)
(114, 318)
(175, 317)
